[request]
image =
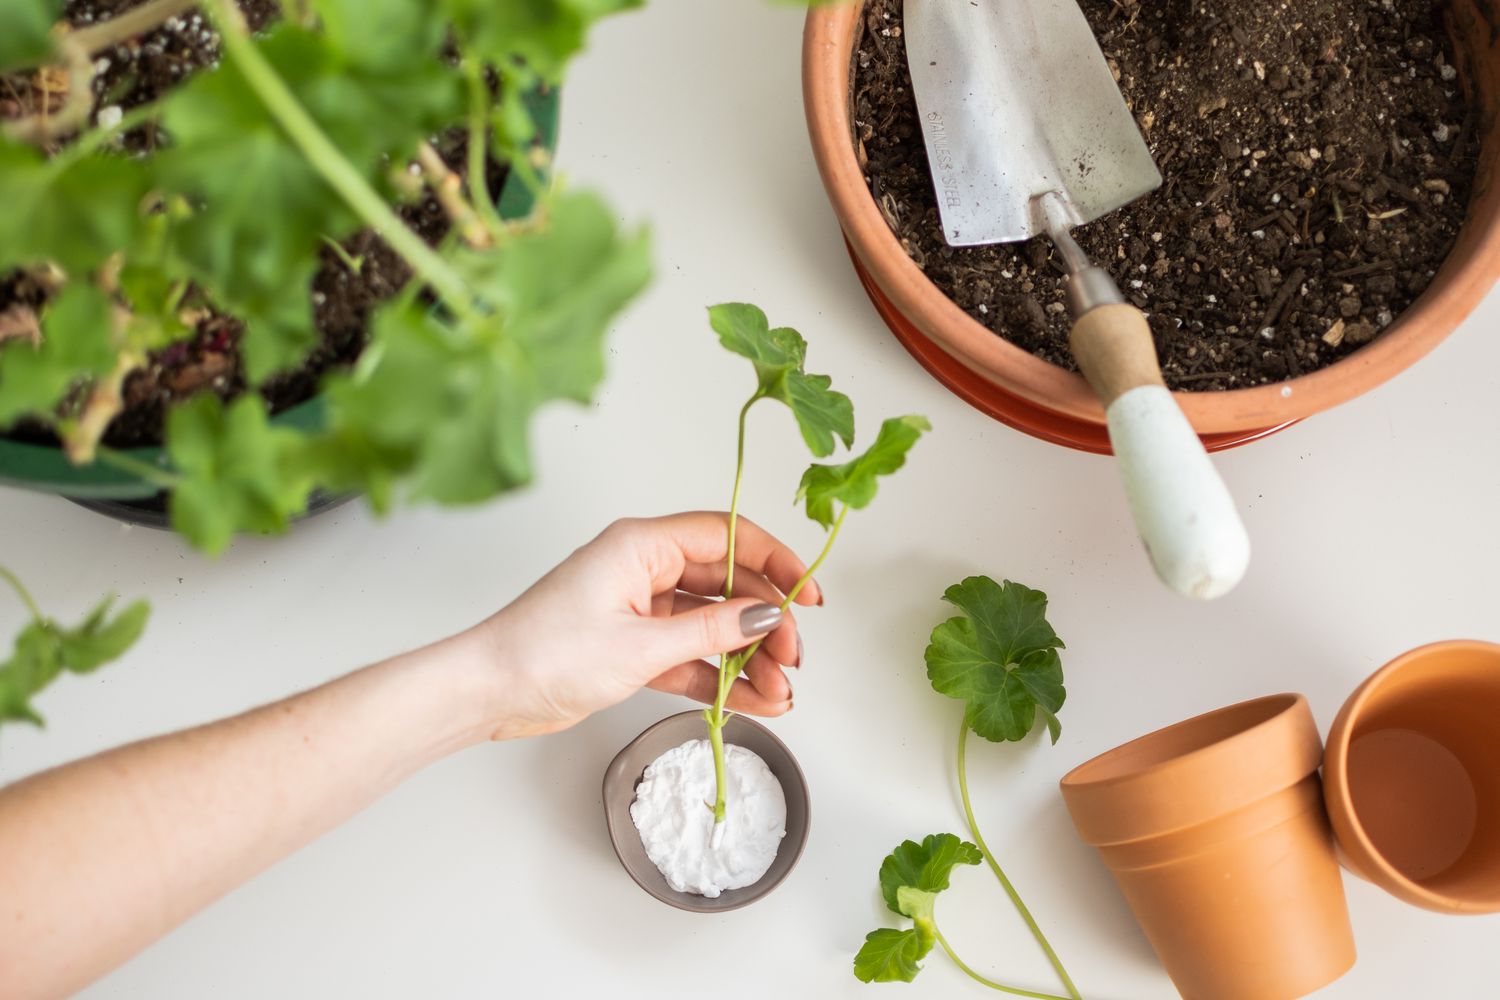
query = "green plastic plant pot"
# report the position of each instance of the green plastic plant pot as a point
(46, 468)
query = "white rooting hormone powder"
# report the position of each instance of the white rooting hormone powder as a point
(677, 827)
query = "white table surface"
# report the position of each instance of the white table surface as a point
(490, 875)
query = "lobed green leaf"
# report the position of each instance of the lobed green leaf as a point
(925, 867)
(76, 345)
(239, 473)
(25, 31)
(453, 398)
(72, 211)
(543, 35)
(891, 956)
(855, 483)
(1000, 658)
(44, 649)
(778, 356)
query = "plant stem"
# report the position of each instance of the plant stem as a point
(726, 672)
(1005, 883)
(22, 592)
(136, 21)
(734, 499)
(791, 596)
(479, 145)
(449, 191)
(1014, 991)
(332, 165)
(155, 475)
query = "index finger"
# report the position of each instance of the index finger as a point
(676, 540)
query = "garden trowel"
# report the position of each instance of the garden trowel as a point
(1027, 134)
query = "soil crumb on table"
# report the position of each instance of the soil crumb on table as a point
(1318, 158)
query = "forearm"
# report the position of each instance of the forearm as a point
(100, 858)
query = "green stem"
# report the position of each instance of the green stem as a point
(734, 499)
(22, 592)
(1005, 883)
(1013, 990)
(791, 595)
(726, 672)
(479, 131)
(332, 165)
(153, 474)
(353, 264)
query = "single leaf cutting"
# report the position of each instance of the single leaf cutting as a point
(1000, 658)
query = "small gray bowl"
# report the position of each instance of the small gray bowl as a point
(625, 772)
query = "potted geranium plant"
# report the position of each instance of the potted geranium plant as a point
(183, 249)
(253, 251)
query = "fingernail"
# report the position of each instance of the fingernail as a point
(800, 649)
(758, 619)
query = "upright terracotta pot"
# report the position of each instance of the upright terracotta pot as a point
(1412, 773)
(1056, 405)
(1215, 832)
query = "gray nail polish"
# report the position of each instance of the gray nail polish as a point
(758, 619)
(801, 652)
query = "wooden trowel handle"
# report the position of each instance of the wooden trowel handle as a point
(1182, 508)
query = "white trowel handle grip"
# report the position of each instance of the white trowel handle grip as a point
(1182, 508)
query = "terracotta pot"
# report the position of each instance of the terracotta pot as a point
(1215, 832)
(1056, 405)
(1412, 774)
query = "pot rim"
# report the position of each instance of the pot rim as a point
(1276, 748)
(826, 73)
(1352, 838)
(750, 893)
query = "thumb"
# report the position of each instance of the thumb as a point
(709, 630)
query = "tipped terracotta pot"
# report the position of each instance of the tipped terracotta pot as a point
(1057, 405)
(1412, 774)
(1215, 832)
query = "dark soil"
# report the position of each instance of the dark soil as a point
(341, 297)
(1318, 158)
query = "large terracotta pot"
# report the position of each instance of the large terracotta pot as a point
(1054, 404)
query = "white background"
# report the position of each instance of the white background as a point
(490, 875)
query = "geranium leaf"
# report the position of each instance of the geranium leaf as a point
(925, 867)
(25, 31)
(75, 345)
(891, 956)
(778, 356)
(1000, 658)
(239, 473)
(453, 397)
(855, 483)
(45, 649)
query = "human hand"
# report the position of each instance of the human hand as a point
(636, 607)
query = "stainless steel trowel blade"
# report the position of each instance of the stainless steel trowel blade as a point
(1016, 100)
